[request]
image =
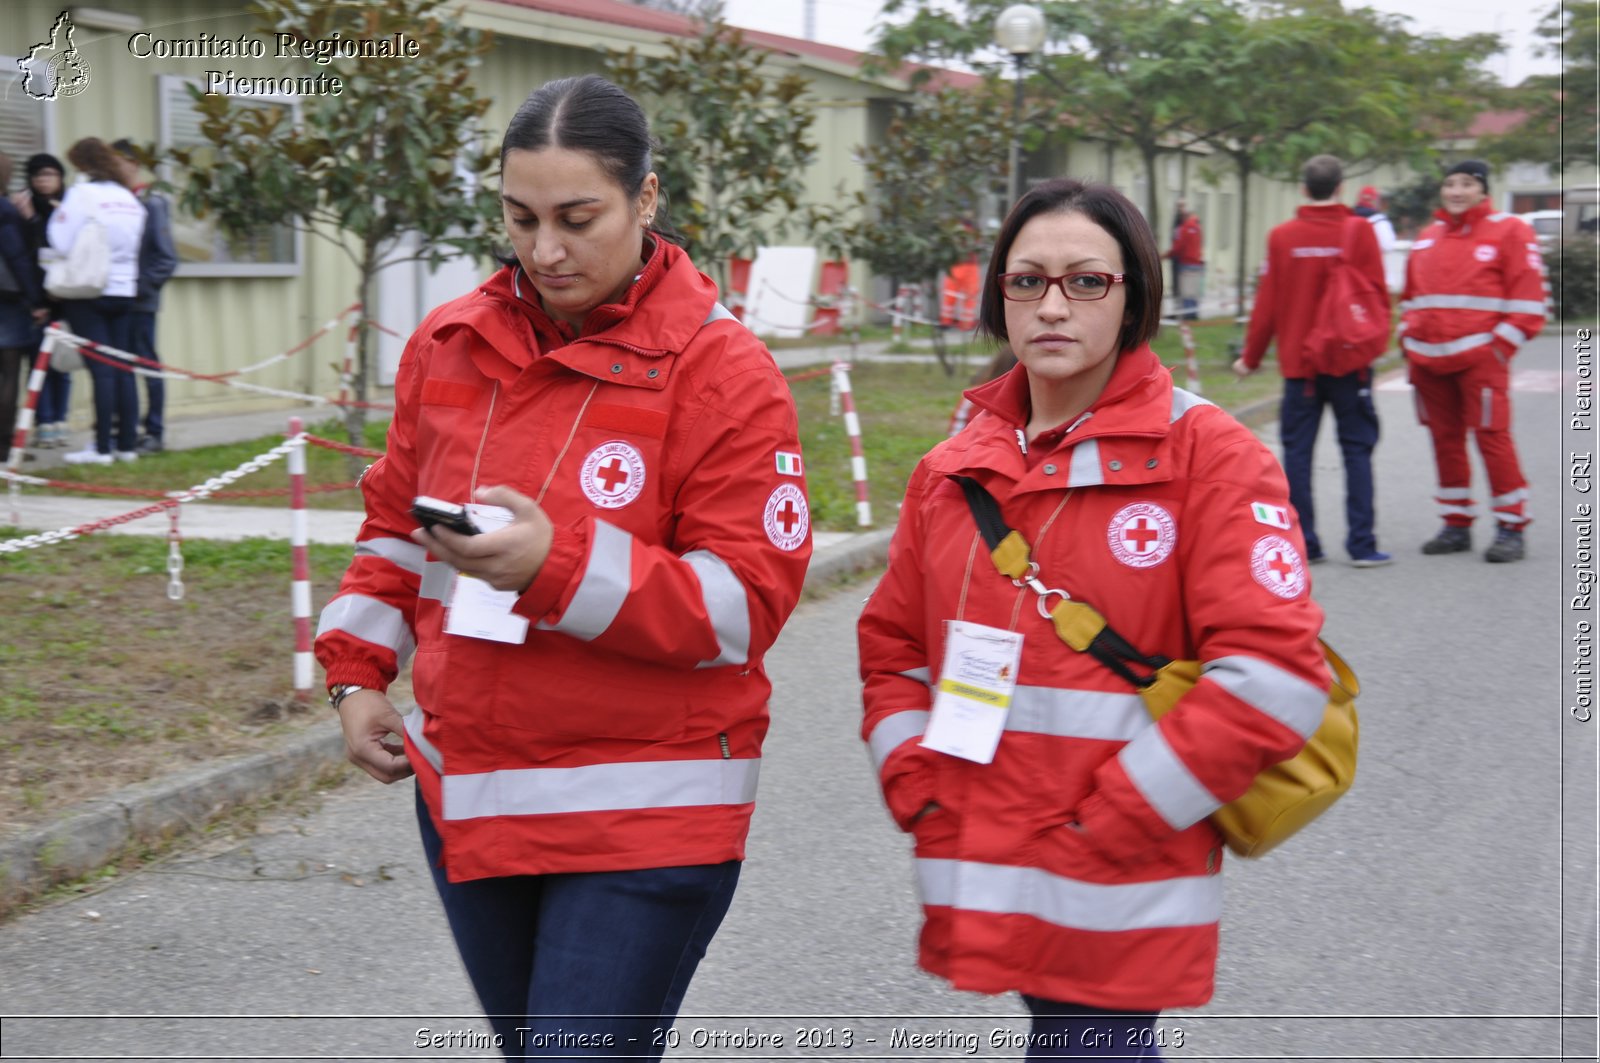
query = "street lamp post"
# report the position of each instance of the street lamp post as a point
(1020, 31)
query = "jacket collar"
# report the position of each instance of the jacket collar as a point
(1137, 372)
(660, 313)
(1467, 218)
(1132, 418)
(1323, 211)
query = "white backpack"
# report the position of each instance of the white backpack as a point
(82, 272)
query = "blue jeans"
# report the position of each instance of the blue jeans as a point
(1073, 1031)
(108, 320)
(615, 948)
(1357, 423)
(55, 395)
(155, 389)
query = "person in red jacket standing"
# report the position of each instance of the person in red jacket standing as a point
(1063, 849)
(1188, 260)
(1475, 293)
(1293, 277)
(590, 695)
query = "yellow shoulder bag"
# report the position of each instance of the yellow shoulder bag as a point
(1286, 796)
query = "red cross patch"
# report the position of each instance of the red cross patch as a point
(1277, 566)
(1142, 534)
(612, 475)
(787, 518)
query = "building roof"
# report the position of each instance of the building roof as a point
(665, 23)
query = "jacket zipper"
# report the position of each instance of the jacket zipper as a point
(722, 741)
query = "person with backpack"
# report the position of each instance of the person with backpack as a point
(1063, 843)
(158, 260)
(100, 207)
(1475, 293)
(1302, 254)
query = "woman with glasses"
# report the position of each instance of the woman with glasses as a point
(1063, 849)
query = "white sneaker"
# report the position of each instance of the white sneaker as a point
(127, 455)
(87, 456)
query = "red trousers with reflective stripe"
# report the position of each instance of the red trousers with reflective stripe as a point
(1477, 398)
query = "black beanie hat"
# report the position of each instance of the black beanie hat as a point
(43, 161)
(1473, 168)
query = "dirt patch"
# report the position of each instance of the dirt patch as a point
(106, 682)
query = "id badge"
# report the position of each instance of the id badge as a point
(973, 697)
(476, 610)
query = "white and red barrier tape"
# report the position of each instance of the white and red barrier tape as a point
(211, 488)
(144, 367)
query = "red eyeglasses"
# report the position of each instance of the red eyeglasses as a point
(1079, 287)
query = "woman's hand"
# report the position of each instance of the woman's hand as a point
(24, 204)
(371, 735)
(507, 558)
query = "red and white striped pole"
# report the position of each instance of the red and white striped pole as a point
(852, 427)
(302, 561)
(347, 375)
(1192, 362)
(19, 438)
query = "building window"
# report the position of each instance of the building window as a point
(22, 130)
(204, 250)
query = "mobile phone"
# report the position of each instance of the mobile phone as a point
(431, 511)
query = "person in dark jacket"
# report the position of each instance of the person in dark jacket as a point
(158, 259)
(46, 185)
(21, 308)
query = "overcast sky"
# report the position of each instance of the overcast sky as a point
(849, 23)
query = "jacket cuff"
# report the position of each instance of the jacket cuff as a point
(543, 596)
(357, 673)
(909, 787)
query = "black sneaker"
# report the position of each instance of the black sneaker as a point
(1452, 539)
(1507, 546)
(150, 445)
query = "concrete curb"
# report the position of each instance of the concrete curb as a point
(99, 832)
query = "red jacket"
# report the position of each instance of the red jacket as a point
(1294, 275)
(626, 730)
(1172, 519)
(1186, 247)
(1475, 286)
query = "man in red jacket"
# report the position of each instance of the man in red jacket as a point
(1188, 260)
(1475, 293)
(1300, 255)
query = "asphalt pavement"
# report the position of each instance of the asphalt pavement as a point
(1445, 909)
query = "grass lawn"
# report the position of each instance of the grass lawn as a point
(107, 682)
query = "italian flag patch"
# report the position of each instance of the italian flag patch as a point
(1272, 516)
(788, 464)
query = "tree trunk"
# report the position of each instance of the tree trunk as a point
(355, 415)
(1243, 162)
(1150, 154)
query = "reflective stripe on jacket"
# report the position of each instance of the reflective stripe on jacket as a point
(1475, 285)
(626, 730)
(1080, 865)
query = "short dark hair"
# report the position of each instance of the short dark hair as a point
(594, 116)
(1322, 176)
(1113, 212)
